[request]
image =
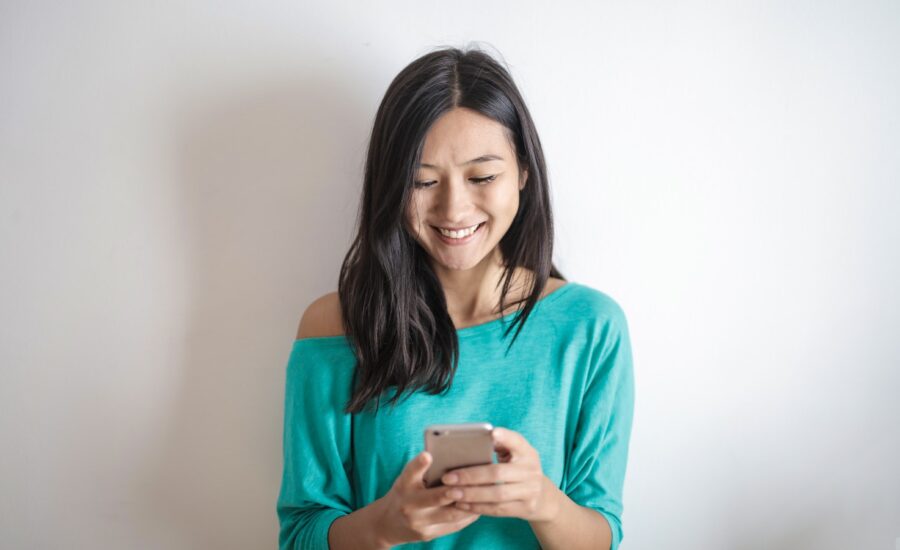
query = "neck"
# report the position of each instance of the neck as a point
(473, 295)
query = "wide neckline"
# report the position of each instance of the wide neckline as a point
(465, 332)
(477, 329)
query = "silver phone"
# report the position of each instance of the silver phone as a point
(457, 446)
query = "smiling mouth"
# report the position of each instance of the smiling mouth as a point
(462, 239)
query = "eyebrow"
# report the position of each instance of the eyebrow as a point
(482, 158)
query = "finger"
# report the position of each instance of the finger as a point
(501, 472)
(433, 506)
(496, 493)
(451, 515)
(414, 471)
(434, 497)
(509, 441)
(500, 509)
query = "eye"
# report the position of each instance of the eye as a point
(484, 180)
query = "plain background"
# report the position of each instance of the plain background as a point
(179, 181)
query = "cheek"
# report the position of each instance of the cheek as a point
(504, 203)
(414, 216)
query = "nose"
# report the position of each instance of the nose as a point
(454, 200)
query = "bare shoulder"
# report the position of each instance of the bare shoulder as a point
(322, 318)
(553, 283)
(526, 277)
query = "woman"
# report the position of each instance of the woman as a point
(455, 202)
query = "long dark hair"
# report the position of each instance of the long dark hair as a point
(393, 306)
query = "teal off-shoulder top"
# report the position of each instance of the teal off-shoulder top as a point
(567, 385)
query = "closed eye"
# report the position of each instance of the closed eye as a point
(486, 179)
(482, 181)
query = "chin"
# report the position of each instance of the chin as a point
(457, 266)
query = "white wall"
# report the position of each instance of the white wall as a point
(177, 182)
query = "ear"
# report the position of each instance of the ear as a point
(523, 179)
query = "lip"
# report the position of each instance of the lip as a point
(456, 242)
(456, 228)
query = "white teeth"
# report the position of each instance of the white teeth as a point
(458, 234)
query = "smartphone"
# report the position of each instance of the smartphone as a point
(457, 446)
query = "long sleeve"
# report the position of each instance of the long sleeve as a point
(315, 486)
(597, 462)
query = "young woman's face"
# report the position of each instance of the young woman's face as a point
(468, 177)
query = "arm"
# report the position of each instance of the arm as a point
(573, 526)
(357, 530)
(589, 509)
(315, 486)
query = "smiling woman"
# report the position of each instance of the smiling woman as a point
(453, 251)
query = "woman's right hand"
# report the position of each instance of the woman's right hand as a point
(411, 512)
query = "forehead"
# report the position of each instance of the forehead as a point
(463, 134)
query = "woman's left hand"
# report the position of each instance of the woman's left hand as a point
(513, 487)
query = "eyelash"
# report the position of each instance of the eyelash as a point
(482, 181)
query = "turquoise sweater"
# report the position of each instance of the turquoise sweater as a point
(566, 385)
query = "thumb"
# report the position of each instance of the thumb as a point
(415, 469)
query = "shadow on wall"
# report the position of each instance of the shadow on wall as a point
(268, 183)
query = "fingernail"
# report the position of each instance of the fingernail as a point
(451, 478)
(455, 493)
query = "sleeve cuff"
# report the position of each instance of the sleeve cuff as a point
(315, 537)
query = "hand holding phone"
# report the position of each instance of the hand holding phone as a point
(457, 446)
(410, 512)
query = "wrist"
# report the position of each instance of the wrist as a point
(551, 503)
(377, 538)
